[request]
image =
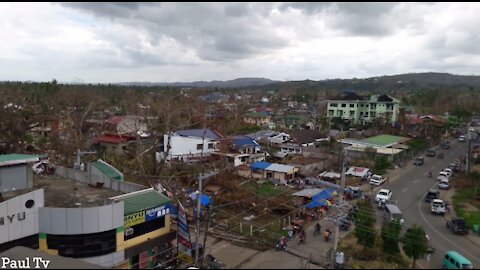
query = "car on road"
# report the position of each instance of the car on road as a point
(453, 260)
(442, 175)
(453, 166)
(377, 180)
(445, 146)
(457, 226)
(448, 171)
(419, 161)
(461, 138)
(431, 195)
(431, 153)
(444, 183)
(392, 212)
(437, 207)
(383, 195)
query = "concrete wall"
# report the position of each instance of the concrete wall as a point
(15, 177)
(74, 221)
(18, 221)
(121, 186)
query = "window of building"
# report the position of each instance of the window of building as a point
(210, 146)
(344, 105)
(352, 113)
(333, 105)
(83, 245)
(199, 146)
(352, 105)
(373, 114)
(331, 112)
(366, 114)
(361, 113)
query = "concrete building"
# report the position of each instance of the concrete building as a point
(360, 110)
(188, 145)
(16, 171)
(78, 219)
(279, 173)
(240, 150)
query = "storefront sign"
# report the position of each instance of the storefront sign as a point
(134, 219)
(11, 218)
(184, 244)
(156, 212)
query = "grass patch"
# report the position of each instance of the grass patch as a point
(355, 255)
(465, 197)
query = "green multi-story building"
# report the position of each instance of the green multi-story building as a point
(360, 110)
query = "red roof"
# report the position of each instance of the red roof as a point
(115, 120)
(431, 117)
(112, 138)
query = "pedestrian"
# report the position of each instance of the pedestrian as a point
(318, 229)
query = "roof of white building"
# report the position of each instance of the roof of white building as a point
(280, 168)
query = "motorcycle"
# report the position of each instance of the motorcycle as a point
(282, 244)
(327, 235)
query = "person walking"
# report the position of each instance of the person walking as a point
(318, 229)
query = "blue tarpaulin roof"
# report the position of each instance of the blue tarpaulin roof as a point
(325, 194)
(314, 204)
(260, 165)
(204, 200)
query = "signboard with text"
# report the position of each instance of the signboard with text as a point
(156, 212)
(134, 219)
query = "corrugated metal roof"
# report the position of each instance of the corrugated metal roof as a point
(12, 159)
(244, 141)
(107, 170)
(143, 200)
(205, 133)
(280, 168)
(260, 165)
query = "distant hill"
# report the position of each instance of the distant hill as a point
(236, 83)
(393, 83)
(401, 82)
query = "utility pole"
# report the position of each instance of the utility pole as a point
(340, 204)
(468, 149)
(198, 219)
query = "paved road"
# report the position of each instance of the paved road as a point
(409, 187)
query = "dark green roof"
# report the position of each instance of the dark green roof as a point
(143, 200)
(107, 170)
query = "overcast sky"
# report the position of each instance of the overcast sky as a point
(167, 42)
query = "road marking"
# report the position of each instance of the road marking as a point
(404, 190)
(415, 181)
(440, 234)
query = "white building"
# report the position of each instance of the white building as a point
(189, 144)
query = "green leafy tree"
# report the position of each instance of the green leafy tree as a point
(415, 243)
(382, 164)
(391, 237)
(365, 224)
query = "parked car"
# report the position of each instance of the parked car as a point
(383, 195)
(431, 195)
(449, 171)
(343, 223)
(444, 183)
(461, 138)
(431, 153)
(419, 161)
(376, 180)
(442, 175)
(437, 207)
(457, 226)
(445, 146)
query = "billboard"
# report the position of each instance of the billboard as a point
(184, 244)
(134, 219)
(156, 212)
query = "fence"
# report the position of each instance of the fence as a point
(84, 177)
